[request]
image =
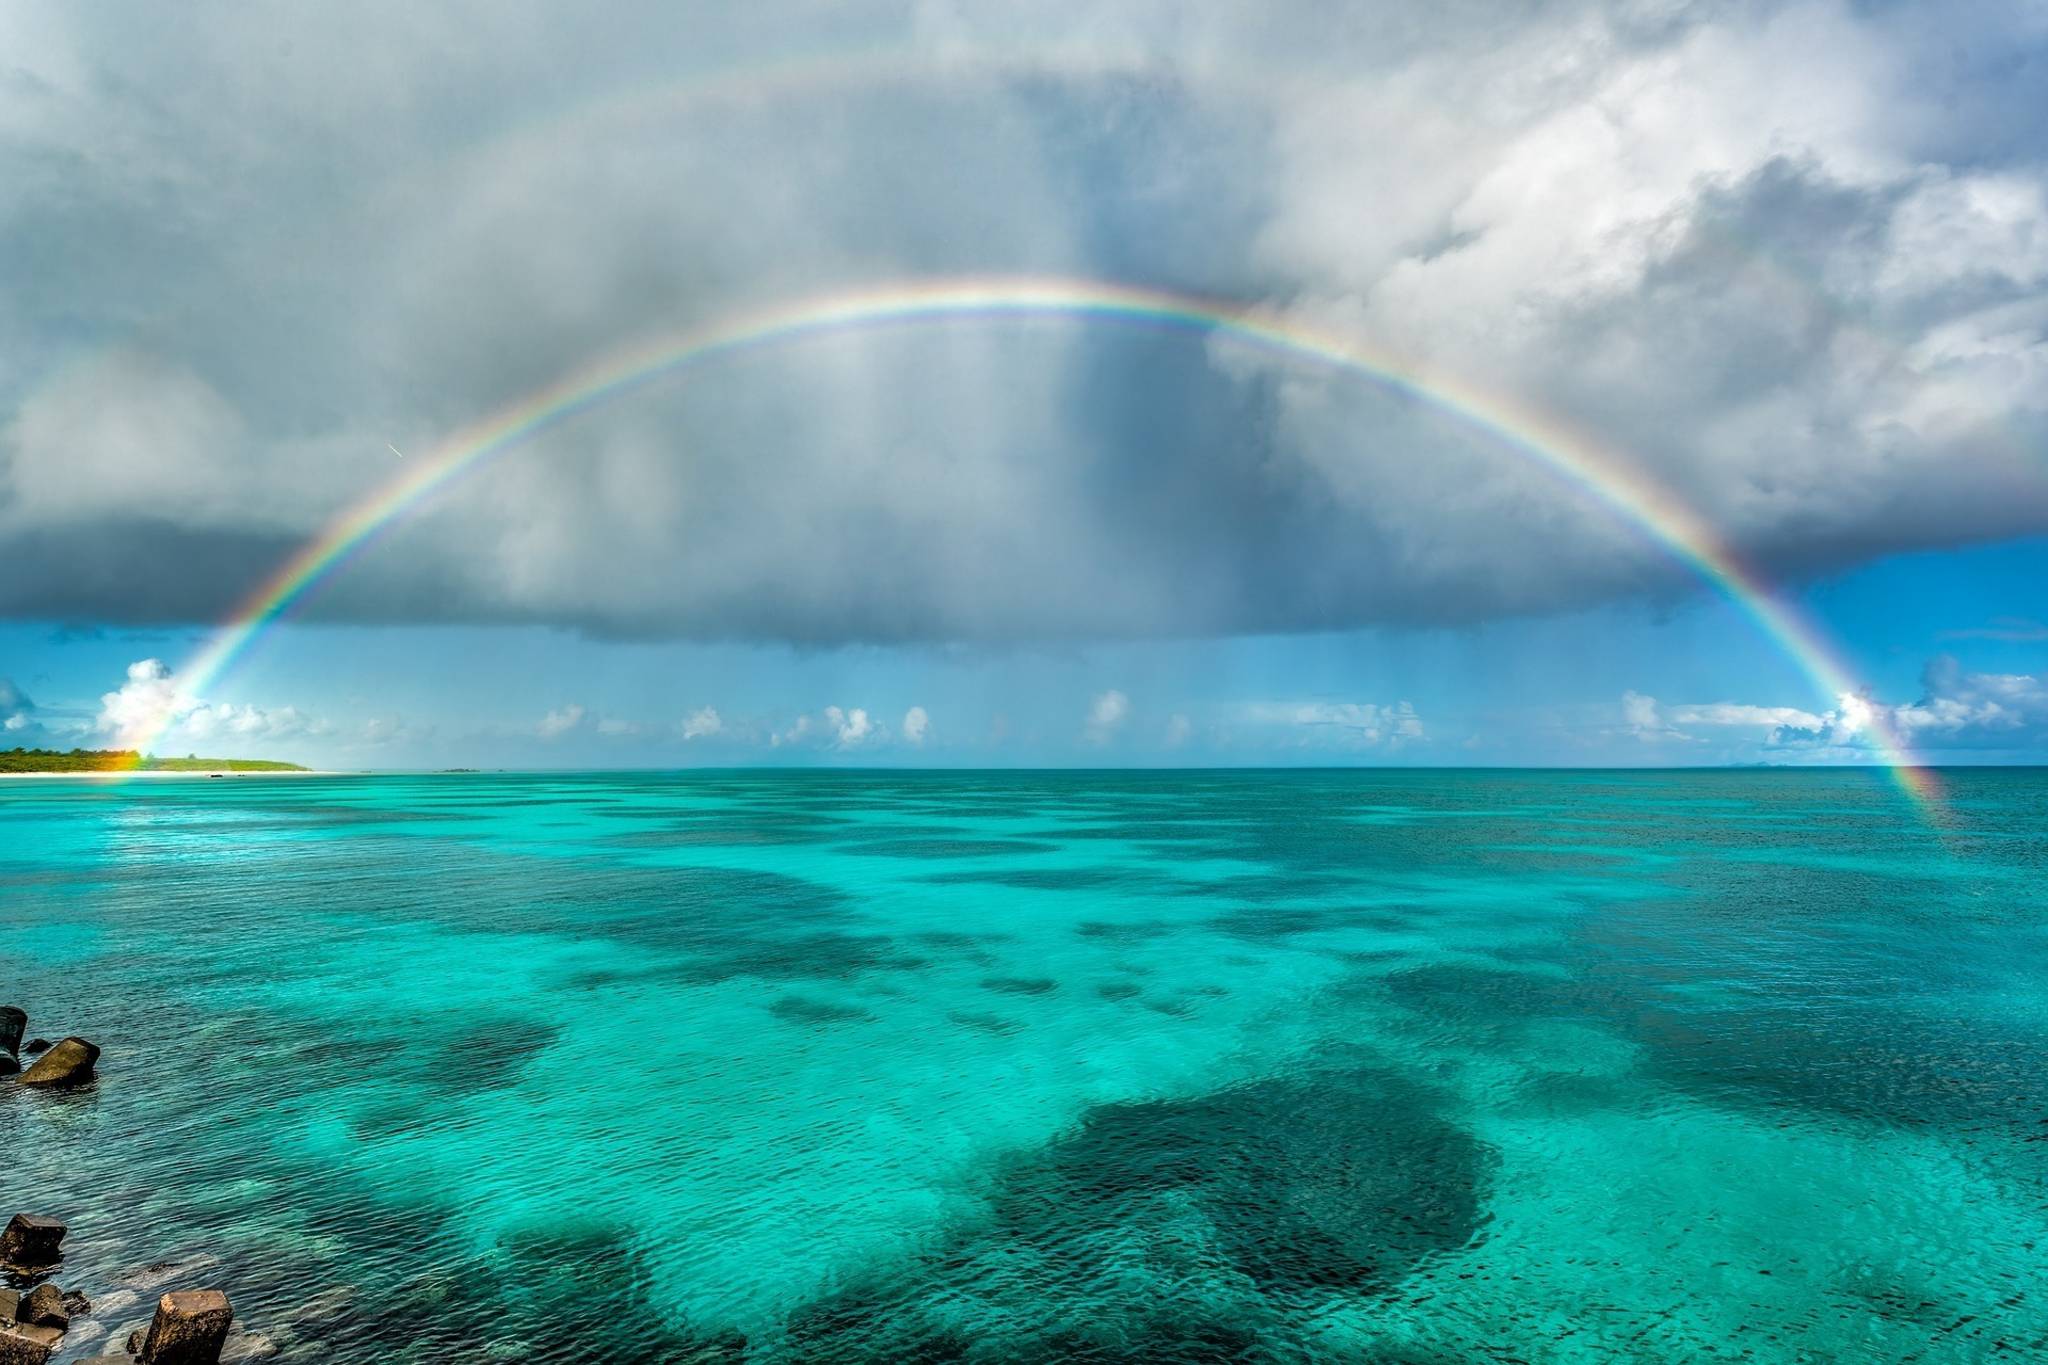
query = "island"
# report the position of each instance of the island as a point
(127, 760)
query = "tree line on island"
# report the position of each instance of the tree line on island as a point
(128, 760)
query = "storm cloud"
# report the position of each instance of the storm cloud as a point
(1786, 266)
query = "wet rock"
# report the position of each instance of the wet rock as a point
(44, 1307)
(21, 1344)
(8, 1064)
(189, 1329)
(31, 1241)
(135, 1340)
(13, 1023)
(36, 1047)
(76, 1304)
(69, 1062)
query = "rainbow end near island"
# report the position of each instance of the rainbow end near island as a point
(131, 761)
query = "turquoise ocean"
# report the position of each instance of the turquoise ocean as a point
(837, 1066)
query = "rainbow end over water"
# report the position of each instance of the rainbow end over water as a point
(1571, 455)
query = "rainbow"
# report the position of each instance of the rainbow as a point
(1571, 455)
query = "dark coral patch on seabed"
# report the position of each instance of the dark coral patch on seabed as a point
(1350, 1181)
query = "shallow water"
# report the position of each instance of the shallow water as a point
(1253, 1066)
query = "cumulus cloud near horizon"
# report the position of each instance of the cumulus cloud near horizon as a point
(149, 710)
(851, 727)
(560, 721)
(1337, 724)
(1957, 710)
(1775, 263)
(1106, 715)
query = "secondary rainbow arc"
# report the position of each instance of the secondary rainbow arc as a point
(1570, 454)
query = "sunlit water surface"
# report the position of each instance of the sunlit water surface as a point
(1324, 1066)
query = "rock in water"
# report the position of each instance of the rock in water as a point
(189, 1329)
(44, 1307)
(76, 1304)
(30, 1241)
(70, 1062)
(36, 1046)
(21, 1344)
(13, 1020)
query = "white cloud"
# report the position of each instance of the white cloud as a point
(1337, 724)
(1178, 728)
(1851, 717)
(378, 731)
(573, 716)
(1734, 713)
(850, 728)
(1654, 723)
(703, 723)
(917, 724)
(150, 710)
(1975, 709)
(142, 707)
(1957, 710)
(1640, 714)
(245, 722)
(560, 721)
(1106, 715)
(796, 731)
(18, 721)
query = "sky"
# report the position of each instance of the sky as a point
(1777, 271)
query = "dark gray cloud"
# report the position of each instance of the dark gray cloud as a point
(1781, 263)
